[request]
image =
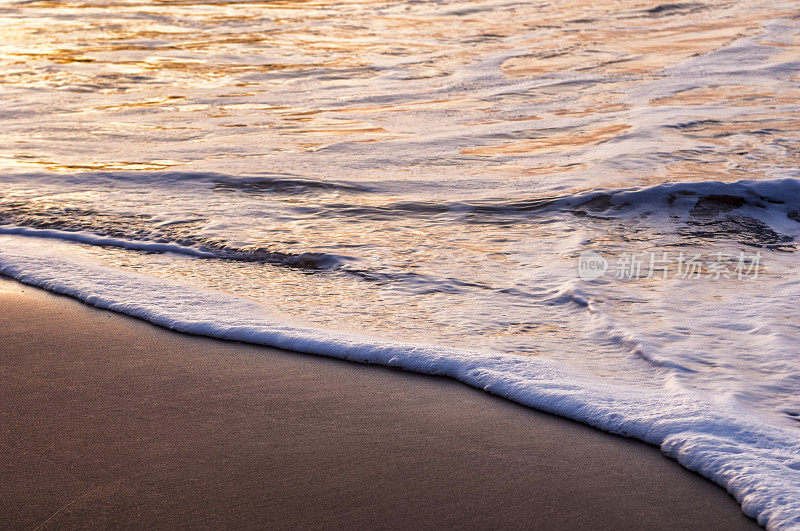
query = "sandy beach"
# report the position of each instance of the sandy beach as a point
(111, 421)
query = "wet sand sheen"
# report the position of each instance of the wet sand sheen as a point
(112, 421)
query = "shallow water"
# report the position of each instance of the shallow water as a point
(431, 172)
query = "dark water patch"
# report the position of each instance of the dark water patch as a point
(140, 230)
(536, 204)
(468, 211)
(284, 185)
(712, 205)
(693, 125)
(743, 229)
(599, 203)
(669, 9)
(262, 182)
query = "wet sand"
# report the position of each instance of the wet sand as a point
(111, 421)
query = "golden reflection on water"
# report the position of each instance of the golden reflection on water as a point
(555, 142)
(732, 95)
(174, 66)
(24, 160)
(625, 43)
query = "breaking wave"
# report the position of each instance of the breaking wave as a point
(762, 214)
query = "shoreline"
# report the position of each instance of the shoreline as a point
(115, 421)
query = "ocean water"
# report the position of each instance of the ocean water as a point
(592, 208)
